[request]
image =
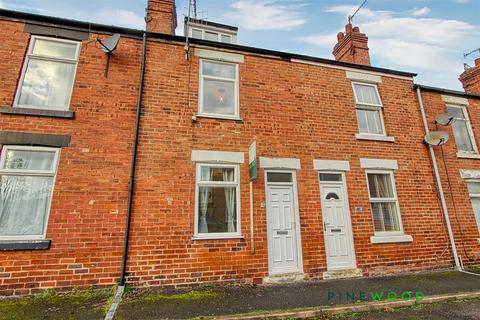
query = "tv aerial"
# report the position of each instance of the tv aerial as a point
(465, 55)
(436, 138)
(108, 46)
(444, 119)
(350, 17)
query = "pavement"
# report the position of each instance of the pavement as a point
(233, 300)
(454, 310)
(77, 304)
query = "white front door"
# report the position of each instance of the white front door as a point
(282, 226)
(339, 247)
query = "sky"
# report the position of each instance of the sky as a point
(428, 37)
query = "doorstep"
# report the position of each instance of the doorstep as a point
(342, 274)
(284, 278)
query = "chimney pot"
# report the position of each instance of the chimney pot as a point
(348, 28)
(340, 36)
(356, 29)
(477, 62)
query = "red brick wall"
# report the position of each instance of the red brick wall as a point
(292, 110)
(456, 194)
(87, 217)
(161, 16)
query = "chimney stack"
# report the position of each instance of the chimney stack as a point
(471, 78)
(161, 16)
(352, 46)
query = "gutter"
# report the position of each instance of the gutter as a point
(447, 91)
(439, 184)
(133, 162)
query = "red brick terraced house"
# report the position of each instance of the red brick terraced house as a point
(134, 163)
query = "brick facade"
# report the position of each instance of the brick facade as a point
(463, 222)
(292, 108)
(87, 216)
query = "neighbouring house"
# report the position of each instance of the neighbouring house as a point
(157, 139)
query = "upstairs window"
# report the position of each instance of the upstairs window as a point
(462, 130)
(27, 177)
(384, 203)
(368, 109)
(218, 95)
(48, 74)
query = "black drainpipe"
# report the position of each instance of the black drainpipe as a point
(134, 161)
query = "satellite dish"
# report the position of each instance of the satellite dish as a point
(444, 119)
(110, 44)
(436, 138)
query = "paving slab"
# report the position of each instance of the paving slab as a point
(225, 300)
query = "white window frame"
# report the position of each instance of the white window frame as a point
(236, 81)
(469, 128)
(474, 195)
(40, 173)
(217, 235)
(30, 56)
(377, 200)
(371, 107)
(219, 34)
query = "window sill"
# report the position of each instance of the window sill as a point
(465, 155)
(374, 137)
(37, 112)
(18, 245)
(197, 116)
(219, 237)
(391, 239)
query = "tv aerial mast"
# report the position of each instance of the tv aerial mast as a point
(350, 18)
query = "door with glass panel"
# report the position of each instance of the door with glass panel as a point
(283, 230)
(337, 226)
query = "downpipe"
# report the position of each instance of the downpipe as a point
(133, 163)
(439, 184)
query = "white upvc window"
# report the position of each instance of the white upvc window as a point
(474, 192)
(219, 89)
(368, 109)
(27, 178)
(48, 74)
(211, 35)
(384, 203)
(217, 201)
(462, 129)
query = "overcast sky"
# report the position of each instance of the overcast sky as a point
(427, 37)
